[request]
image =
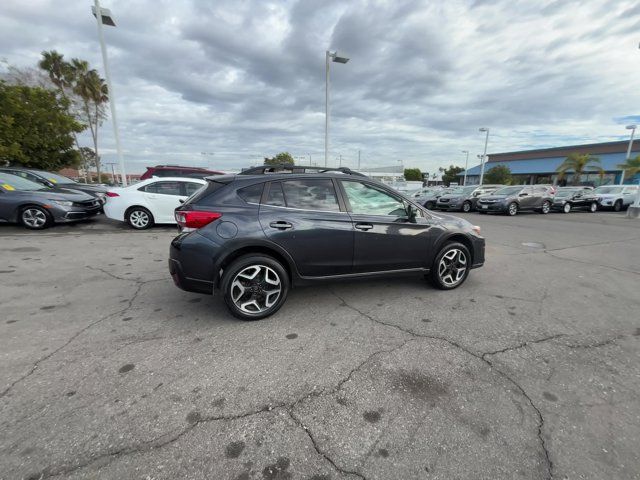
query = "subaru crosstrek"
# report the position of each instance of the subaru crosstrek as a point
(254, 235)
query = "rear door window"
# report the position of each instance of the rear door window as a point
(311, 194)
(164, 188)
(276, 195)
(191, 187)
(252, 193)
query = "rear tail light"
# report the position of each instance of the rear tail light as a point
(195, 218)
(112, 194)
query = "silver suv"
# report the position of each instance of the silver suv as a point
(615, 197)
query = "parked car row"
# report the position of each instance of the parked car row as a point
(517, 198)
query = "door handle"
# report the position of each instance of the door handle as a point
(280, 225)
(364, 226)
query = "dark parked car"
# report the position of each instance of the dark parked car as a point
(464, 199)
(36, 206)
(511, 200)
(252, 236)
(429, 198)
(178, 171)
(571, 198)
(55, 180)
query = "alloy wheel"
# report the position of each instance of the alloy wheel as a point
(139, 218)
(513, 209)
(452, 267)
(566, 208)
(593, 207)
(255, 289)
(546, 207)
(34, 218)
(466, 207)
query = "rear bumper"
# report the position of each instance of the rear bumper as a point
(191, 262)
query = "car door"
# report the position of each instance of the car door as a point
(527, 198)
(307, 219)
(162, 198)
(628, 195)
(385, 238)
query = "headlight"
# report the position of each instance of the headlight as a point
(475, 229)
(62, 203)
(101, 194)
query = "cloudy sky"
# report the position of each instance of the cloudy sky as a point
(225, 83)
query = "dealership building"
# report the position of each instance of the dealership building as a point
(540, 166)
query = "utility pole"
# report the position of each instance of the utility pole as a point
(358, 159)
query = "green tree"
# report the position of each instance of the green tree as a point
(94, 95)
(283, 158)
(500, 174)
(412, 174)
(630, 166)
(36, 129)
(579, 163)
(450, 174)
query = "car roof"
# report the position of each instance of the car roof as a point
(169, 179)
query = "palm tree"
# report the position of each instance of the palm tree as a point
(630, 167)
(579, 163)
(94, 94)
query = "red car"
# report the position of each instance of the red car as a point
(178, 171)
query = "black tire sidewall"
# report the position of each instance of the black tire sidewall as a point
(433, 275)
(243, 262)
(593, 210)
(140, 209)
(468, 205)
(548, 204)
(47, 224)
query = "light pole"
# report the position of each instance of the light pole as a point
(484, 155)
(633, 130)
(103, 16)
(466, 165)
(329, 57)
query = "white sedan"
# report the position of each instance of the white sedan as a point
(151, 201)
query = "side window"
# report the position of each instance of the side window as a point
(367, 199)
(276, 195)
(311, 194)
(164, 188)
(191, 187)
(252, 193)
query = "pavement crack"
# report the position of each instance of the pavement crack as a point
(523, 344)
(592, 264)
(37, 363)
(319, 451)
(481, 357)
(602, 343)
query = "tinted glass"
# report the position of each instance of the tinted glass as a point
(276, 196)
(54, 177)
(366, 199)
(507, 191)
(252, 193)
(311, 194)
(191, 188)
(164, 188)
(13, 182)
(206, 195)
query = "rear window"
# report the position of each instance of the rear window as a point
(205, 195)
(311, 194)
(252, 193)
(276, 195)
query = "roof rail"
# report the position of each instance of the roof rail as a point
(290, 168)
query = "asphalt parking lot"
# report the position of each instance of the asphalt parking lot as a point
(530, 370)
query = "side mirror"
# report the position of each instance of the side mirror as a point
(412, 212)
(181, 200)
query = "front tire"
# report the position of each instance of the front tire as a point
(566, 208)
(617, 206)
(466, 207)
(140, 218)
(430, 205)
(593, 208)
(255, 287)
(35, 218)
(512, 209)
(451, 266)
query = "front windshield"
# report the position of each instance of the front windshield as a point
(13, 182)
(507, 191)
(54, 177)
(608, 190)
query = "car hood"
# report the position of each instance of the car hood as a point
(85, 187)
(58, 194)
(607, 195)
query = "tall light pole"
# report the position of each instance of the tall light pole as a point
(329, 57)
(466, 165)
(633, 130)
(484, 155)
(104, 17)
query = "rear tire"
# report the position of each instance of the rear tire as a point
(430, 205)
(451, 266)
(139, 218)
(254, 287)
(546, 207)
(35, 218)
(512, 209)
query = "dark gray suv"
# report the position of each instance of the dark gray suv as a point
(254, 235)
(511, 200)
